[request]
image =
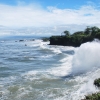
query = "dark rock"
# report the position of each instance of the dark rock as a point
(21, 40)
(74, 41)
(97, 82)
(77, 38)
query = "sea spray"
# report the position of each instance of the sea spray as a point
(86, 58)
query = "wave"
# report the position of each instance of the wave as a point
(86, 58)
(43, 71)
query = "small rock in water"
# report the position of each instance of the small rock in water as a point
(21, 40)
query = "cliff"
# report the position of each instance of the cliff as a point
(77, 38)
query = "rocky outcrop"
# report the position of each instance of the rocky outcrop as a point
(77, 38)
(94, 96)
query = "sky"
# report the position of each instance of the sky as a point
(48, 16)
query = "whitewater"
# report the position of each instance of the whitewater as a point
(34, 70)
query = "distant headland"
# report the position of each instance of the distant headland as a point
(77, 38)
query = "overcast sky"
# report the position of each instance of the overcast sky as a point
(57, 15)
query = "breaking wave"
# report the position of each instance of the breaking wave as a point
(86, 58)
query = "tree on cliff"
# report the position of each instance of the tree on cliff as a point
(66, 33)
(95, 30)
(88, 31)
(77, 38)
(91, 30)
(79, 33)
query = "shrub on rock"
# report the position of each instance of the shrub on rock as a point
(97, 82)
(95, 96)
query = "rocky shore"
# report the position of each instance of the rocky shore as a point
(94, 96)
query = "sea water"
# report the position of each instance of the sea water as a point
(34, 70)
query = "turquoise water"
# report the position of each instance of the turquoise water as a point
(34, 70)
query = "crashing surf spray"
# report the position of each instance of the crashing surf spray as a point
(86, 58)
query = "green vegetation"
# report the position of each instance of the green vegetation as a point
(95, 96)
(97, 82)
(67, 33)
(45, 39)
(77, 38)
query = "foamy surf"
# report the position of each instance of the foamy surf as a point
(86, 57)
(40, 71)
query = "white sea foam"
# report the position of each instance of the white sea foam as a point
(85, 85)
(49, 83)
(34, 43)
(54, 49)
(86, 58)
(57, 71)
(63, 69)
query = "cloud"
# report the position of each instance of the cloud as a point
(33, 15)
(41, 31)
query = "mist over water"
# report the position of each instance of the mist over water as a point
(34, 70)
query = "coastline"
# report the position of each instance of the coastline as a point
(77, 38)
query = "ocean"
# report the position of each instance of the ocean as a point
(35, 70)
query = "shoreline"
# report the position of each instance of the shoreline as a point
(77, 38)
